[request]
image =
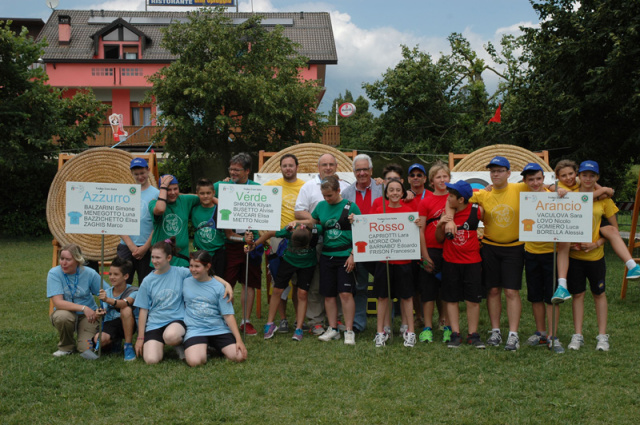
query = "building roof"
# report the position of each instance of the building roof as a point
(311, 30)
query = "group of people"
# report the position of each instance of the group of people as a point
(184, 299)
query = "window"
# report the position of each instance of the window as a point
(130, 52)
(141, 116)
(111, 51)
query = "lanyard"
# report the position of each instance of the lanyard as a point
(75, 284)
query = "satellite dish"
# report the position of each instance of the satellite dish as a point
(52, 3)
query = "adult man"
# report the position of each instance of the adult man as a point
(291, 185)
(239, 169)
(309, 196)
(417, 178)
(171, 217)
(135, 248)
(363, 192)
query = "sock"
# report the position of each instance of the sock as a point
(427, 328)
(562, 282)
(269, 323)
(496, 330)
(630, 264)
(448, 328)
(513, 333)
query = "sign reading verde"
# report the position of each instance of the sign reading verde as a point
(379, 237)
(103, 208)
(252, 207)
(545, 217)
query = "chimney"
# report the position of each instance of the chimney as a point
(64, 29)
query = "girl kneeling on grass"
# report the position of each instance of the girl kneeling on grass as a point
(208, 317)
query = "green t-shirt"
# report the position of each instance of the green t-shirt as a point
(300, 257)
(175, 222)
(225, 213)
(207, 236)
(337, 242)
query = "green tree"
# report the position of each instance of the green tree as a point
(233, 88)
(358, 130)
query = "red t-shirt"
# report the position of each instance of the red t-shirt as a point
(432, 207)
(464, 248)
(364, 203)
(404, 208)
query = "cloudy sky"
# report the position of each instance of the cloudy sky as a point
(368, 33)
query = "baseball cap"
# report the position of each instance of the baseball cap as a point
(462, 187)
(174, 181)
(531, 167)
(499, 161)
(419, 167)
(589, 166)
(138, 162)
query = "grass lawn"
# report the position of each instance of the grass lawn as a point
(313, 382)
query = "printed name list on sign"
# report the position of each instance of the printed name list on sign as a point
(545, 217)
(380, 237)
(253, 207)
(103, 208)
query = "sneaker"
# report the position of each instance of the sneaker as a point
(305, 326)
(446, 334)
(179, 349)
(556, 346)
(341, 326)
(283, 327)
(513, 343)
(426, 335)
(455, 340)
(577, 341)
(129, 352)
(329, 334)
(251, 331)
(537, 339)
(387, 330)
(349, 338)
(603, 342)
(62, 353)
(495, 338)
(381, 339)
(561, 295)
(403, 329)
(269, 330)
(317, 330)
(474, 339)
(634, 273)
(409, 339)
(297, 335)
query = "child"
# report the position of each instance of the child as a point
(206, 236)
(209, 319)
(400, 274)
(300, 258)
(462, 264)
(119, 319)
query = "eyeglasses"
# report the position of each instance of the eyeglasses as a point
(237, 170)
(362, 170)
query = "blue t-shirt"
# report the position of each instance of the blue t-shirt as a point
(77, 288)
(205, 308)
(112, 313)
(161, 295)
(146, 218)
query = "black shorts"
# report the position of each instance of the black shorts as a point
(401, 276)
(286, 271)
(502, 266)
(540, 279)
(216, 341)
(114, 329)
(334, 278)
(219, 261)
(429, 283)
(580, 271)
(157, 334)
(461, 282)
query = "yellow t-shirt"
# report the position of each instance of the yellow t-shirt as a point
(289, 195)
(606, 208)
(501, 214)
(573, 188)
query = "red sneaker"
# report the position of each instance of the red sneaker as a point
(250, 329)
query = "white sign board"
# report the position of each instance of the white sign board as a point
(545, 217)
(103, 208)
(252, 207)
(379, 237)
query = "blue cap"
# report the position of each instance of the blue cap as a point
(174, 181)
(499, 161)
(589, 166)
(531, 167)
(419, 167)
(138, 162)
(462, 187)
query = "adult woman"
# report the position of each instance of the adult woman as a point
(71, 287)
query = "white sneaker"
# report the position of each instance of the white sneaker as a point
(329, 334)
(603, 342)
(409, 339)
(403, 329)
(387, 330)
(577, 341)
(381, 339)
(61, 353)
(350, 338)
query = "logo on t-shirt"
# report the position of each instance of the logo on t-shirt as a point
(164, 298)
(461, 237)
(172, 224)
(206, 231)
(289, 201)
(333, 227)
(503, 215)
(201, 308)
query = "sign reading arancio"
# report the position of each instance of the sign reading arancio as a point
(242, 206)
(103, 208)
(545, 217)
(379, 237)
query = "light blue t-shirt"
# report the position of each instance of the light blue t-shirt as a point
(112, 313)
(77, 288)
(146, 218)
(161, 294)
(205, 307)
